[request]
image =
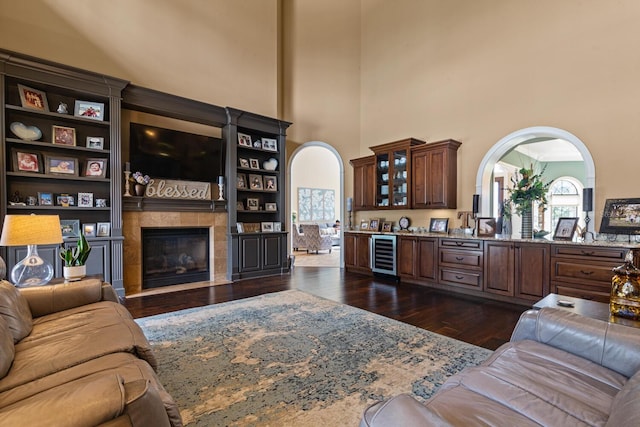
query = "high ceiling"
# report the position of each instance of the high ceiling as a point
(552, 150)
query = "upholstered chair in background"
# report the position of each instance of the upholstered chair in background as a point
(314, 240)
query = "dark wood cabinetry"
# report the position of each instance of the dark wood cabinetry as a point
(418, 258)
(364, 183)
(357, 252)
(434, 175)
(460, 263)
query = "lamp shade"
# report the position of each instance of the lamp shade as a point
(22, 230)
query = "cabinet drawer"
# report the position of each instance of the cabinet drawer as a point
(588, 294)
(467, 279)
(595, 273)
(461, 244)
(464, 259)
(590, 252)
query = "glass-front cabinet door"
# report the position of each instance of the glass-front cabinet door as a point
(393, 173)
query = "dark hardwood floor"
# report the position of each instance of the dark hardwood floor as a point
(477, 321)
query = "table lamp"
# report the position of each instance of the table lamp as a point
(31, 230)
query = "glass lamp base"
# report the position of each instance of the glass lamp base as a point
(32, 270)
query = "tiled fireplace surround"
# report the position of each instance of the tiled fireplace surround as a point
(134, 221)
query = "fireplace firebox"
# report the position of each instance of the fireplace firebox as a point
(172, 256)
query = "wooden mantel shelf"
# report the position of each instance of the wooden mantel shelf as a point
(135, 203)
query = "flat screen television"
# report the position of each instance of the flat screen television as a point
(172, 154)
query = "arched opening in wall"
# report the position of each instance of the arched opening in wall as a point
(316, 177)
(558, 154)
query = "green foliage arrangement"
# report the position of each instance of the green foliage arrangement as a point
(528, 187)
(76, 256)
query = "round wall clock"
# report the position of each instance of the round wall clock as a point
(404, 223)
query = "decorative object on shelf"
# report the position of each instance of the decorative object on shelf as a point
(75, 259)
(350, 210)
(476, 204)
(33, 98)
(31, 230)
(364, 224)
(257, 144)
(625, 290)
(565, 228)
(95, 168)
(70, 228)
(127, 179)
(26, 161)
(486, 227)
(140, 183)
(89, 110)
(404, 223)
(244, 140)
(269, 144)
(101, 203)
(270, 165)
(239, 205)
(221, 188)
(266, 227)
(103, 229)
(539, 234)
(587, 206)
(85, 200)
(139, 189)
(62, 135)
(254, 164)
(45, 198)
(240, 227)
(24, 132)
(277, 226)
(255, 182)
(271, 207)
(270, 183)
(62, 108)
(244, 163)
(59, 165)
(89, 230)
(374, 224)
(31, 200)
(241, 181)
(439, 225)
(95, 142)
(65, 200)
(386, 226)
(251, 227)
(253, 204)
(621, 216)
(528, 187)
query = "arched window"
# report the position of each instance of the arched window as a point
(564, 200)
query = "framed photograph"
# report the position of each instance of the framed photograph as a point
(386, 226)
(26, 161)
(33, 98)
(269, 144)
(255, 182)
(95, 168)
(272, 207)
(101, 203)
(70, 228)
(364, 225)
(45, 199)
(103, 229)
(239, 205)
(439, 225)
(486, 227)
(241, 181)
(89, 110)
(565, 228)
(244, 163)
(251, 227)
(621, 216)
(254, 164)
(89, 230)
(60, 165)
(266, 227)
(95, 142)
(244, 139)
(270, 183)
(240, 227)
(62, 135)
(85, 200)
(65, 200)
(277, 226)
(253, 204)
(374, 224)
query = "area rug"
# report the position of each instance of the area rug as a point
(294, 359)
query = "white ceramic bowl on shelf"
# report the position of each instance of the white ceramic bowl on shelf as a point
(27, 133)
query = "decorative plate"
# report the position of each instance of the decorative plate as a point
(27, 133)
(404, 223)
(270, 164)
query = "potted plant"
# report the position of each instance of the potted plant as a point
(75, 259)
(528, 187)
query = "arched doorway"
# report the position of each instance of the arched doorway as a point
(317, 168)
(484, 177)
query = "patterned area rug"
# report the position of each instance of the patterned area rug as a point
(294, 359)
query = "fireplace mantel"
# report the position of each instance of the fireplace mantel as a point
(151, 204)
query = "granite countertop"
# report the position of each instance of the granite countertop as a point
(547, 239)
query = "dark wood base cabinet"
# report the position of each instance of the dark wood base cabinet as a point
(356, 252)
(259, 254)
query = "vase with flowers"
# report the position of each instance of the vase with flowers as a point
(528, 188)
(140, 182)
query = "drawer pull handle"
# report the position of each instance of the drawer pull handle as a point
(459, 258)
(459, 243)
(459, 277)
(587, 253)
(586, 273)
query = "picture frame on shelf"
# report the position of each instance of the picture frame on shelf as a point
(239, 205)
(439, 225)
(386, 226)
(45, 198)
(89, 230)
(101, 203)
(253, 204)
(65, 200)
(270, 183)
(277, 226)
(89, 110)
(244, 163)
(60, 165)
(270, 144)
(255, 182)
(254, 164)
(33, 99)
(251, 227)
(26, 161)
(95, 142)
(271, 207)
(95, 168)
(240, 227)
(266, 227)
(244, 140)
(486, 227)
(364, 224)
(70, 228)
(85, 200)
(63, 135)
(103, 229)
(241, 181)
(621, 216)
(374, 224)
(565, 228)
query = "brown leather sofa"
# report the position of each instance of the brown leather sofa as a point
(71, 355)
(559, 369)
